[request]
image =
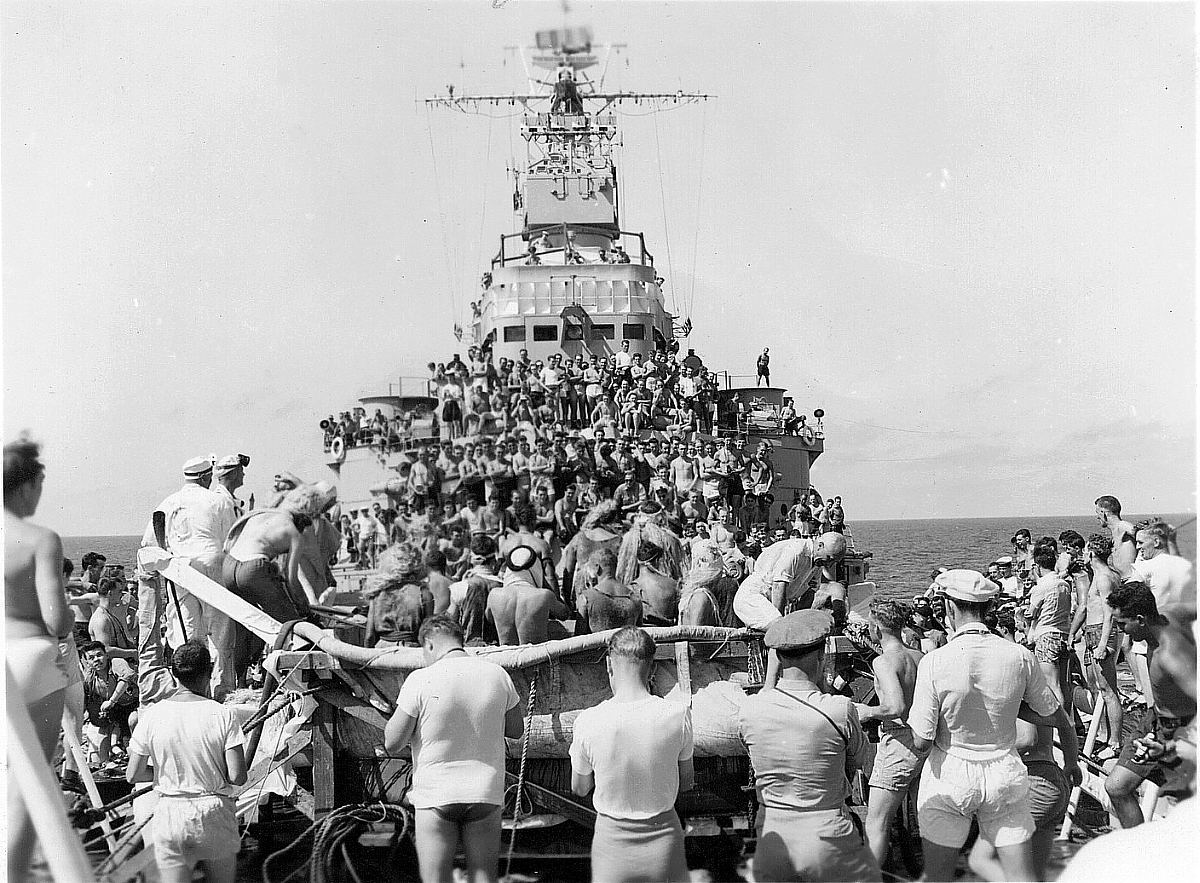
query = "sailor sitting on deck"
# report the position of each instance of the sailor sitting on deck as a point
(521, 608)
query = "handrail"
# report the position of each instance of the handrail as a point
(502, 257)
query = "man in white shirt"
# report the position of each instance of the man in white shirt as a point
(635, 749)
(624, 357)
(456, 713)
(195, 746)
(230, 475)
(965, 706)
(781, 575)
(197, 523)
(1169, 577)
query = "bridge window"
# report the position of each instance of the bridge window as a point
(545, 332)
(633, 332)
(604, 332)
(572, 331)
(514, 333)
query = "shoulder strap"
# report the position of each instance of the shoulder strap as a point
(845, 739)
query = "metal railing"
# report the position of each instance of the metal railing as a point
(503, 258)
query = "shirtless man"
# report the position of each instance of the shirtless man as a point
(262, 536)
(1108, 512)
(685, 472)
(599, 530)
(526, 535)
(658, 589)
(521, 608)
(896, 765)
(36, 618)
(608, 604)
(1171, 659)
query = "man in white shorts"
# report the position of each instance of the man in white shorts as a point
(456, 712)
(196, 748)
(781, 575)
(965, 707)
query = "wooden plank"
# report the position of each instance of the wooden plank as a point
(306, 660)
(303, 801)
(324, 742)
(355, 707)
(555, 802)
(259, 771)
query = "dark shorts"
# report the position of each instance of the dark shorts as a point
(260, 583)
(1049, 793)
(1156, 770)
(464, 813)
(1091, 640)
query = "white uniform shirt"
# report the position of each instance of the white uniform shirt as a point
(198, 521)
(459, 703)
(969, 691)
(634, 750)
(186, 743)
(790, 561)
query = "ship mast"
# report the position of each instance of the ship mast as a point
(571, 176)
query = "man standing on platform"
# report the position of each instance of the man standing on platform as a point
(764, 368)
(804, 745)
(635, 749)
(456, 713)
(231, 475)
(968, 696)
(197, 523)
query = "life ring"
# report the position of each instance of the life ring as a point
(807, 435)
(338, 449)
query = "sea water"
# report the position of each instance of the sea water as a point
(903, 553)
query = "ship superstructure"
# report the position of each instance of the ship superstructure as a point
(573, 281)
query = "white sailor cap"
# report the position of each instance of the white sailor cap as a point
(521, 558)
(227, 464)
(197, 466)
(966, 585)
(1005, 561)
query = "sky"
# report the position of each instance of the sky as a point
(965, 230)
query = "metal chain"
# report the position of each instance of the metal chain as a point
(512, 837)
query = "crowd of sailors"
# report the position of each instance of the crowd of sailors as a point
(623, 395)
(974, 679)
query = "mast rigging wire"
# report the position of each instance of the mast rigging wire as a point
(437, 186)
(691, 302)
(487, 164)
(662, 195)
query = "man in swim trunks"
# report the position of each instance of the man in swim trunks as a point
(1048, 620)
(456, 713)
(635, 750)
(36, 618)
(1171, 658)
(897, 765)
(521, 608)
(608, 604)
